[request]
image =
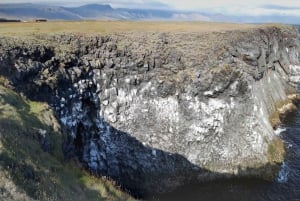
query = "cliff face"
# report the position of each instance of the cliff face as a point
(157, 110)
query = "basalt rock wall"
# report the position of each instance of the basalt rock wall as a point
(157, 110)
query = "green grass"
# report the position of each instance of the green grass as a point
(37, 174)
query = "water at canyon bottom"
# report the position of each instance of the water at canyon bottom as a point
(285, 188)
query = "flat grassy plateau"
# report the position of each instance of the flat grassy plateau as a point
(100, 27)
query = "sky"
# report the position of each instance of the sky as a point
(228, 7)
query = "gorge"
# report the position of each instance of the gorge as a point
(157, 110)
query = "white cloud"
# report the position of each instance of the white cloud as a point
(202, 4)
(262, 12)
(236, 8)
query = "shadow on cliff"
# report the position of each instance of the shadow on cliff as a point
(141, 169)
(32, 162)
(147, 172)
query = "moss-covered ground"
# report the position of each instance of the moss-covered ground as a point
(32, 166)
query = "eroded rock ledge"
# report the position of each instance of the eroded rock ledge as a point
(157, 110)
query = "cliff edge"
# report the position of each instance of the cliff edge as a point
(157, 110)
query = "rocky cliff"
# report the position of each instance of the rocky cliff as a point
(157, 110)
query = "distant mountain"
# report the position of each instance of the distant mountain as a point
(91, 11)
(32, 11)
(97, 11)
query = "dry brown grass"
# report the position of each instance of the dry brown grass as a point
(281, 109)
(12, 29)
(276, 151)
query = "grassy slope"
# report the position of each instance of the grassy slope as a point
(29, 173)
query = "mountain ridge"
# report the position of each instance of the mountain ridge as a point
(91, 12)
(31, 11)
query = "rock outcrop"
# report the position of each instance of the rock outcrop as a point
(157, 110)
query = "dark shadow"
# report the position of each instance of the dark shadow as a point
(38, 173)
(78, 139)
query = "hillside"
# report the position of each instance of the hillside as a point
(32, 165)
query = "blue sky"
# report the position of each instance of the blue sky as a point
(235, 7)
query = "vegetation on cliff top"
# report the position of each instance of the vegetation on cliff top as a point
(99, 27)
(31, 160)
